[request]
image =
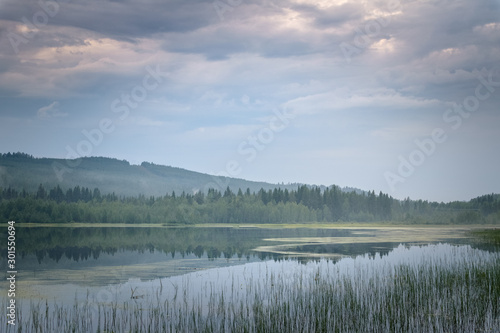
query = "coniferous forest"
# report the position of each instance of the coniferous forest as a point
(303, 205)
(104, 190)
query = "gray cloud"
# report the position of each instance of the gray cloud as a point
(224, 76)
(128, 19)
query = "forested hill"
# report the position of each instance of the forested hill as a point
(21, 171)
(304, 204)
(100, 189)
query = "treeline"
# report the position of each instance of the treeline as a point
(16, 155)
(305, 204)
(56, 194)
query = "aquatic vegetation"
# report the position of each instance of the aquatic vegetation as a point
(436, 288)
(491, 236)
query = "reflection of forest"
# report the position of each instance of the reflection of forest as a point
(352, 249)
(79, 244)
(85, 253)
(89, 243)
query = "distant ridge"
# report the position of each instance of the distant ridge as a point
(22, 171)
(125, 194)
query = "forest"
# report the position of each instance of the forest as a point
(302, 205)
(22, 171)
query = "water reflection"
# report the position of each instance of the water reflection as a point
(106, 266)
(112, 255)
(80, 244)
(233, 280)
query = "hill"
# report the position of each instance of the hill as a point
(22, 171)
(99, 189)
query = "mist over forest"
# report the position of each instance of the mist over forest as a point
(104, 190)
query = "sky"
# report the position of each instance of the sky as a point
(395, 96)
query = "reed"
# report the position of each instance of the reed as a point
(436, 294)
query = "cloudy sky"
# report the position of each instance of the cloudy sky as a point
(396, 96)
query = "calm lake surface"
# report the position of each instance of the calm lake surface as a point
(120, 265)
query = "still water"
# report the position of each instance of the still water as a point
(107, 266)
(88, 256)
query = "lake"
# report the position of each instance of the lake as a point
(135, 278)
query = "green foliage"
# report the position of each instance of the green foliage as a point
(305, 204)
(99, 189)
(489, 236)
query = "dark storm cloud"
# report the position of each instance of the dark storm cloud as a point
(431, 26)
(225, 72)
(127, 19)
(222, 43)
(330, 17)
(264, 30)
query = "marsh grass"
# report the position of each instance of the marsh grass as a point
(459, 292)
(491, 236)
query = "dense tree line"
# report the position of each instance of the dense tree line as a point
(16, 155)
(305, 204)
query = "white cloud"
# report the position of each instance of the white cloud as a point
(50, 111)
(402, 133)
(227, 133)
(345, 98)
(489, 28)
